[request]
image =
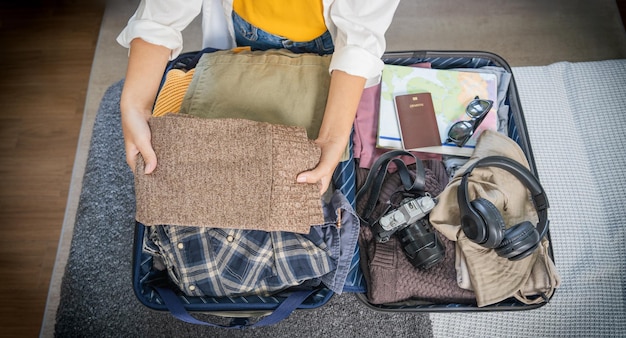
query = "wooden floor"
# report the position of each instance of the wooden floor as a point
(47, 48)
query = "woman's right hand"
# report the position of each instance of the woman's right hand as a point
(146, 63)
(137, 139)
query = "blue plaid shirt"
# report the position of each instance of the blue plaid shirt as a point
(232, 262)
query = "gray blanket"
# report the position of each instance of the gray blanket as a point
(576, 115)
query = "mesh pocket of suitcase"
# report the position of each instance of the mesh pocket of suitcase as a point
(516, 131)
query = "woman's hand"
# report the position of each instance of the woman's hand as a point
(137, 139)
(344, 95)
(146, 63)
(323, 172)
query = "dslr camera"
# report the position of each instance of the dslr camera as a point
(408, 222)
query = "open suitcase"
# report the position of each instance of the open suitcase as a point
(155, 292)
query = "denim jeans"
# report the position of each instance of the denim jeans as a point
(258, 39)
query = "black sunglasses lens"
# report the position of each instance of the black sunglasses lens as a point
(476, 108)
(460, 132)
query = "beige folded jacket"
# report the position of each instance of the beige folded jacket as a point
(494, 278)
(228, 173)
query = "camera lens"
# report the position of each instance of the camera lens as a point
(421, 246)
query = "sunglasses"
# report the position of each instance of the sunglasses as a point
(461, 131)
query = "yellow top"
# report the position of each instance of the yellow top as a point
(295, 20)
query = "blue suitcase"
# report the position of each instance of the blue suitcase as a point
(153, 290)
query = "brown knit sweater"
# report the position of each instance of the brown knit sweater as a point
(228, 173)
(389, 274)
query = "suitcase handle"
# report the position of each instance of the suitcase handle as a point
(291, 303)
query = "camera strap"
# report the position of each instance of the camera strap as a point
(376, 178)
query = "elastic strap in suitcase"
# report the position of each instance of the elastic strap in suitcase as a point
(283, 310)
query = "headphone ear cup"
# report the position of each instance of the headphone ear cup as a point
(492, 230)
(474, 228)
(519, 241)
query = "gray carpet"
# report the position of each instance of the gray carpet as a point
(97, 298)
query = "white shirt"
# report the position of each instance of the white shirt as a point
(357, 27)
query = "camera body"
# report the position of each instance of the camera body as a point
(410, 211)
(408, 222)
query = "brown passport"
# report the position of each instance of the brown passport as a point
(417, 121)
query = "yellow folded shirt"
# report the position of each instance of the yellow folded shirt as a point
(173, 91)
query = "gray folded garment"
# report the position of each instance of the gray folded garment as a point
(228, 173)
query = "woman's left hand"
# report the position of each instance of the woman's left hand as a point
(344, 95)
(321, 176)
(323, 172)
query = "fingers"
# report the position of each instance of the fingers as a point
(315, 176)
(147, 153)
(137, 140)
(131, 158)
(150, 159)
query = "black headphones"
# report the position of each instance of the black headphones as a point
(482, 223)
